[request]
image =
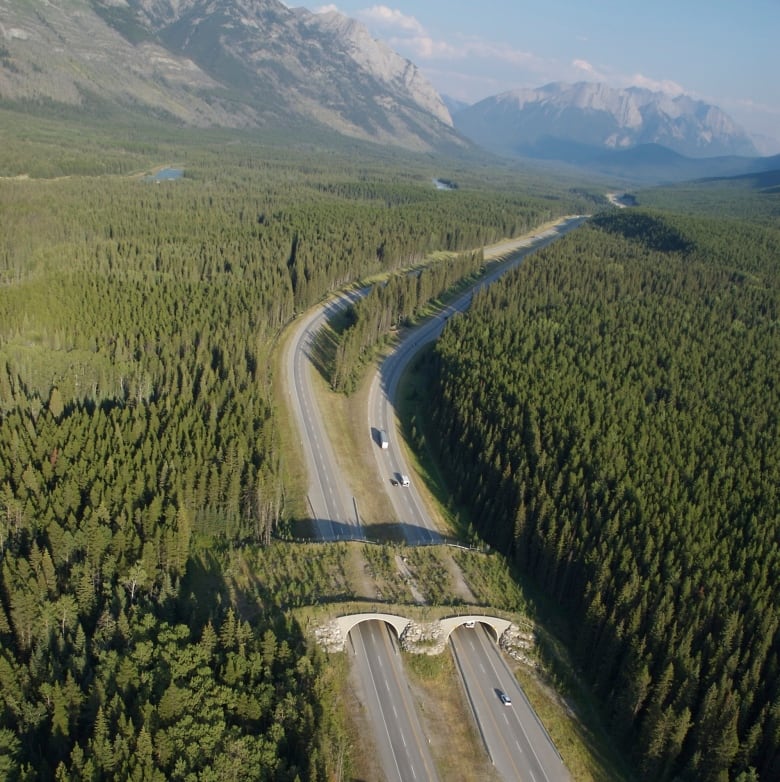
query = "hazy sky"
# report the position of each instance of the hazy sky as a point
(726, 52)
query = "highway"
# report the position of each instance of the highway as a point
(330, 501)
(410, 511)
(517, 742)
(400, 741)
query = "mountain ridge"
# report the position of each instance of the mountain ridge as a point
(594, 114)
(221, 63)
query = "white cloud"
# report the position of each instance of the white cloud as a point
(609, 76)
(664, 85)
(500, 51)
(409, 37)
(390, 18)
(477, 57)
(583, 68)
(407, 33)
(426, 47)
(584, 65)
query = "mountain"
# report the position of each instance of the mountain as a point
(219, 63)
(528, 122)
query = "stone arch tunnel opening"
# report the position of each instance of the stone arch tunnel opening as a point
(387, 626)
(395, 624)
(488, 628)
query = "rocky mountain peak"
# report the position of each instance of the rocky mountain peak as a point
(597, 115)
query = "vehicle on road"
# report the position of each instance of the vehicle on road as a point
(383, 441)
(404, 480)
(471, 624)
(505, 699)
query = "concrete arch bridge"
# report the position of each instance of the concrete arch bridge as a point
(423, 637)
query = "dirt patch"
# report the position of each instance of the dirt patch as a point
(407, 576)
(459, 585)
(358, 576)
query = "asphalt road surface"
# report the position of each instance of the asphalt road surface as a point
(404, 749)
(516, 740)
(331, 505)
(517, 743)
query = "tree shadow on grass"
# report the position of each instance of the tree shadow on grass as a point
(322, 351)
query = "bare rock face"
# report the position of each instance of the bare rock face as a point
(66, 53)
(330, 637)
(399, 74)
(423, 638)
(519, 643)
(230, 63)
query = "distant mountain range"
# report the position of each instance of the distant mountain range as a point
(229, 63)
(545, 122)
(260, 64)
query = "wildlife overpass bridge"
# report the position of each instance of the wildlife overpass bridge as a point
(413, 635)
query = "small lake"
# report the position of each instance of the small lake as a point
(165, 174)
(445, 184)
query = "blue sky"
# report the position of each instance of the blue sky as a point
(726, 52)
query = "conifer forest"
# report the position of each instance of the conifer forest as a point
(605, 417)
(608, 413)
(140, 445)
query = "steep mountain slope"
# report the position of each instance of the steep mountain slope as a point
(589, 114)
(62, 51)
(233, 63)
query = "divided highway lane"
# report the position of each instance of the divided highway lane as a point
(403, 748)
(409, 508)
(330, 501)
(517, 742)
